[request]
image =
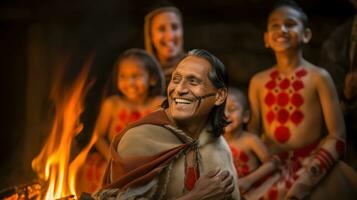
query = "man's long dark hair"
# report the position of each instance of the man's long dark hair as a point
(219, 78)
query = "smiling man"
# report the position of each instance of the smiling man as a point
(178, 152)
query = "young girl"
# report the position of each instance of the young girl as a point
(139, 84)
(247, 149)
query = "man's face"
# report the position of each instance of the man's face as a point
(190, 82)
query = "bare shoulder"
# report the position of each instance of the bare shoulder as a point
(251, 138)
(319, 73)
(262, 75)
(146, 140)
(112, 101)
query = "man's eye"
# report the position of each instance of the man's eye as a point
(193, 82)
(176, 80)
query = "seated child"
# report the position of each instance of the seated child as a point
(139, 83)
(248, 150)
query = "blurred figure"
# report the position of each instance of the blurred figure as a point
(248, 150)
(164, 37)
(138, 83)
(292, 104)
(339, 58)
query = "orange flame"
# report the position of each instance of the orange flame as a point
(52, 164)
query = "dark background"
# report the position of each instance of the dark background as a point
(36, 36)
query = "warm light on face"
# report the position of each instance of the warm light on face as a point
(133, 80)
(285, 29)
(234, 113)
(167, 35)
(190, 82)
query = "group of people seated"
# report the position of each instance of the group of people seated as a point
(176, 129)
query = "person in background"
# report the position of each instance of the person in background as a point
(137, 84)
(163, 37)
(295, 106)
(339, 58)
(248, 150)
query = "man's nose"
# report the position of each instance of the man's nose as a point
(181, 88)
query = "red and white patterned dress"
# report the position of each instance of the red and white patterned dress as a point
(120, 115)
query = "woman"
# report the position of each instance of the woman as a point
(164, 37)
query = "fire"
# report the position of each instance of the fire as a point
(53, 163)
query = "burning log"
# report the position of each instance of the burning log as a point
(70, 197)
(32, 191)
(22, 192)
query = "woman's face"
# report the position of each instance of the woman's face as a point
(167, 35)
(133, 79)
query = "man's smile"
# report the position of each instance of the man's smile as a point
(183, 101)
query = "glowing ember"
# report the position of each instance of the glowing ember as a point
(53, 163)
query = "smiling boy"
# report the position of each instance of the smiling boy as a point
(292, 104)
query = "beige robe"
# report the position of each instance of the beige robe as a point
(152, 141)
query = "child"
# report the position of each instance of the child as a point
(292, 102)
(139, 84)
(247, 149)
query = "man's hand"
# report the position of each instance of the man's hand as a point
(216, 184)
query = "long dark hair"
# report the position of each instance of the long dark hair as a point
(151, 65)
(219, 78)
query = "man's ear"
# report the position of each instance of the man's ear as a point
(221, 96)
(307, 36)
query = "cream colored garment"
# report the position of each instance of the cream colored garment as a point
(148, 140)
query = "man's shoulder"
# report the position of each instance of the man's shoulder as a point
(146, 131)
(146, 139)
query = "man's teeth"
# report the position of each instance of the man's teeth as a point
(184, 101)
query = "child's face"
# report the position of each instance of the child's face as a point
(167, 35)
(234, 112)
(133, 79)
(286, 30)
